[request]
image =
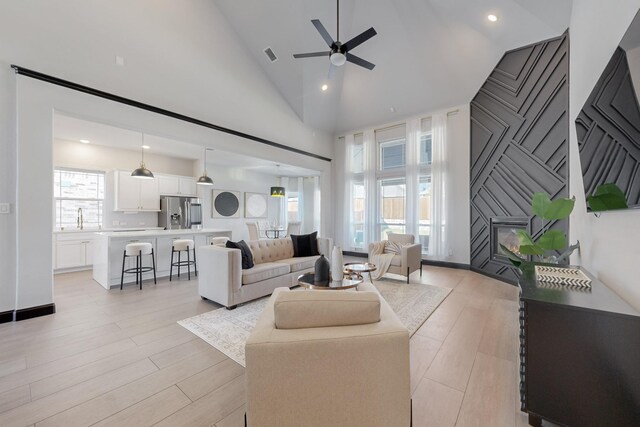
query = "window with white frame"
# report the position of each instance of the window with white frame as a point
(293, 213)
(392, 198)
(78, 189)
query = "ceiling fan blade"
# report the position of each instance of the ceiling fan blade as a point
(332, 71)
(359, 61)
(359, 39)
(310, 55)
(323, 31)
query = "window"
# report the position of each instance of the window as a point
(357, 154)
(392, 147)
(292, 207)
(392, 154)
(392, 206)
(424, 206)
(74, 190)
(358, 212)
(425, 149)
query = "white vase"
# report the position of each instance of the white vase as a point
(337, 264)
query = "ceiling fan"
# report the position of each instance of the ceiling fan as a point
(340, 52)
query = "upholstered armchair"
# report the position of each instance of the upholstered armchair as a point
(328, 358)
(410, 258)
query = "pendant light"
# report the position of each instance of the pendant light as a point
(205, 179)
(142, 172)
(277, 191)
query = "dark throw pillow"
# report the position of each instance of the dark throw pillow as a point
(247, 256)
(305, 244)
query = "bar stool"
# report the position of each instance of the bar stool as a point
(138, 250)
(179, 246)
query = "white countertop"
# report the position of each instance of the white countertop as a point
(99, 230)
(160, 232)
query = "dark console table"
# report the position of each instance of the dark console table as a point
(579, 355)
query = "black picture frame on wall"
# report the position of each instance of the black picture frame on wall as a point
(608, 126)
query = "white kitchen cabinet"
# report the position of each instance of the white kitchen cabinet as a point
(149, 196)
(135, 194)
(188, 186)
(70, 254)
(170, 185)
(74, 250)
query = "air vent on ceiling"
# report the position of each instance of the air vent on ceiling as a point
(272, 56)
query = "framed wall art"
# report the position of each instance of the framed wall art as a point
(255, 205)
(226, 204)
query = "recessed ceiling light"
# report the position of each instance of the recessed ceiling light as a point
(146, 147)
(324, 87)
(85, 141)
(492, 18)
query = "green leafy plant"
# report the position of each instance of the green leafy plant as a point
(551, 241)
(607, 197)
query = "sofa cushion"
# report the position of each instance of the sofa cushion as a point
(319, 309)
(264, 271)
(301, 263)
(271, 250)
(247, 256)
(305, 245)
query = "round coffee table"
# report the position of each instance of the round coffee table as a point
(360, 268)
(306, 281)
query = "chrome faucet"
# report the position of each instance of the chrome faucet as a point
(80, 219)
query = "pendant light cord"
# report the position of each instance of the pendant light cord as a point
(338, 22)
(142, 148)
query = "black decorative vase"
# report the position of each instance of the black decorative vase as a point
(322, 270)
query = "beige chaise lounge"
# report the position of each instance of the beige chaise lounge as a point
(328, 358)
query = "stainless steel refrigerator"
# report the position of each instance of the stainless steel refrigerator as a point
(178, 213)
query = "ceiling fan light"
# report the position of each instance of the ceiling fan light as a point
(338, 59)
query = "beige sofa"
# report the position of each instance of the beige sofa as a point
(222, 279)
(328, 358)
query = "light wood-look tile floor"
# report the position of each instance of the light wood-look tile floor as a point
(112, 358)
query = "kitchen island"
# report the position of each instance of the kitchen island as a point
(109, 248)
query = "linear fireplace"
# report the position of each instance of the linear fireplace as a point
(504, 231)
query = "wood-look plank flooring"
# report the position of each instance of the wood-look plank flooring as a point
(118, 358)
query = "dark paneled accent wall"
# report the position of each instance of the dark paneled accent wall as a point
(608, 129)
(519, 143)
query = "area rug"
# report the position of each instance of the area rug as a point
(228, 330)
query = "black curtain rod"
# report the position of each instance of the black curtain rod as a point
(106, 95)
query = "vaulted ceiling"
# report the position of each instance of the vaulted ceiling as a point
(429, 54)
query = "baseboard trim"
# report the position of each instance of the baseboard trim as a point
(494, 276)
(446, 264)
(31, 312)
(6, 316)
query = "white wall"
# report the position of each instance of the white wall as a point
(180, 56)
(458, 207)
(242, 180)
(7, 189)
(608, 244)
(73, 154)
